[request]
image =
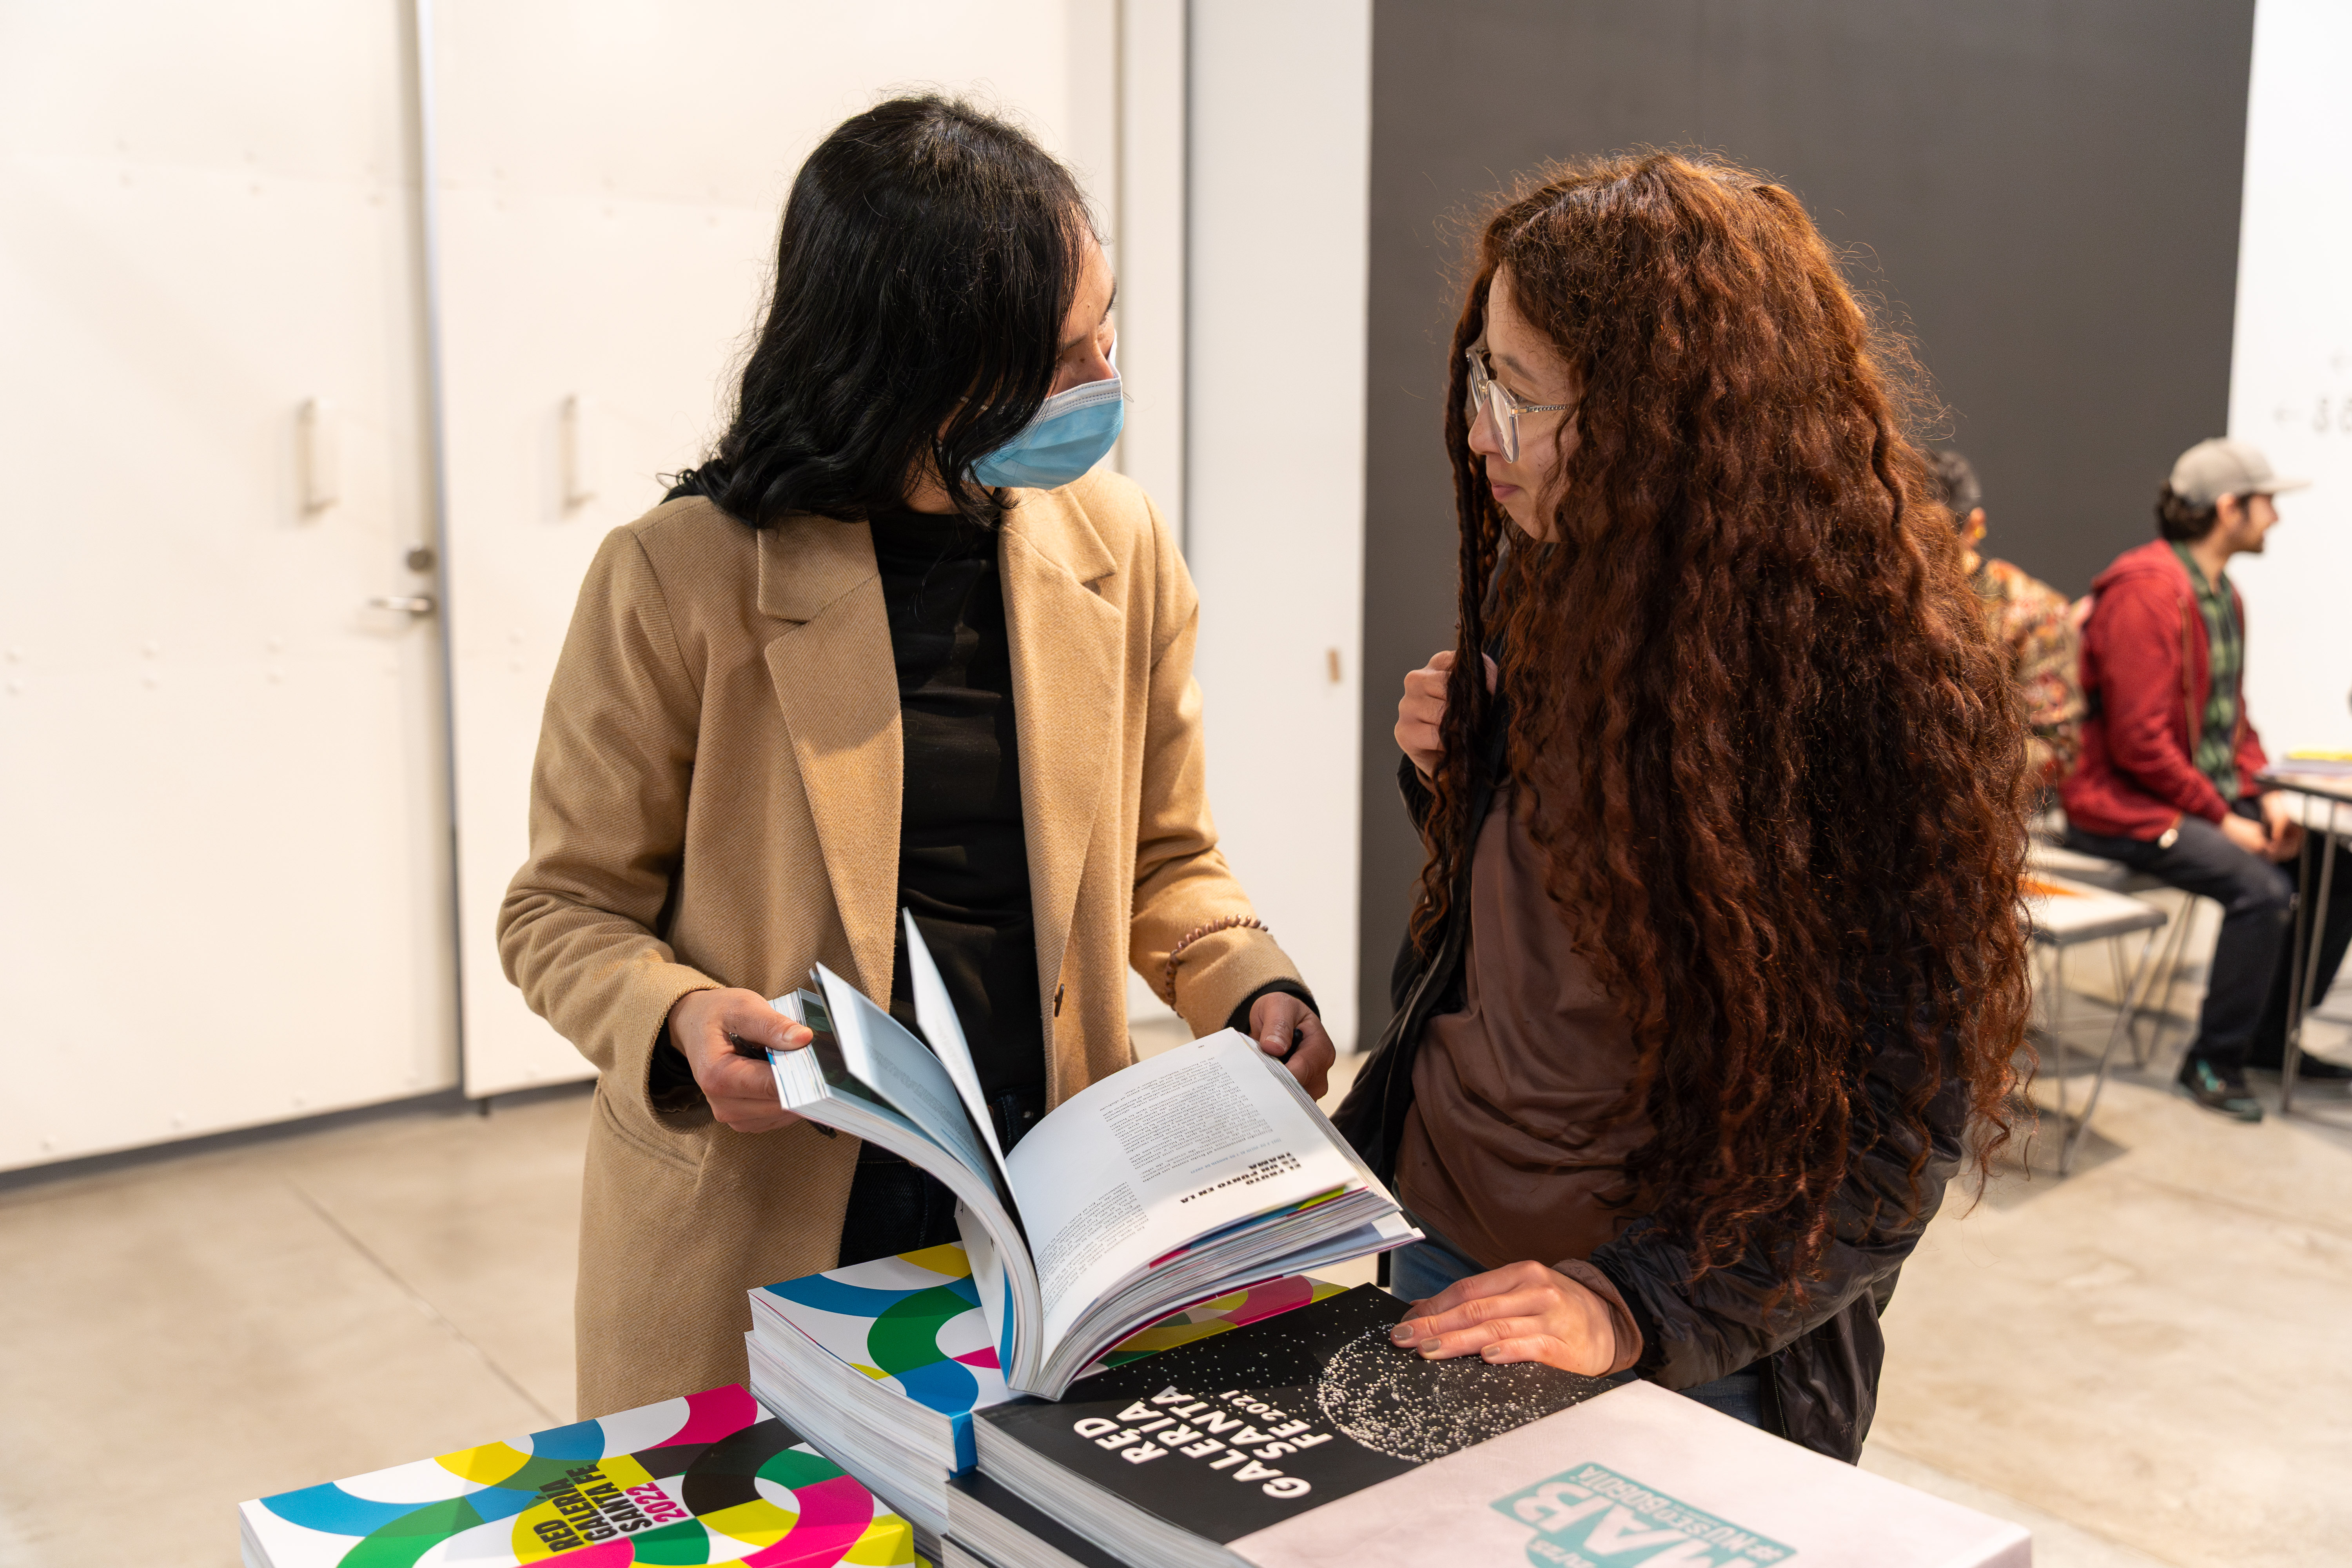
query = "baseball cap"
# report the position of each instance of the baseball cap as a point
(2218, 468)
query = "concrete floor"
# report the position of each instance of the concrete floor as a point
(2143, 1362)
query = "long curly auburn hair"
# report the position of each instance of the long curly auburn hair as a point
(1776, 767)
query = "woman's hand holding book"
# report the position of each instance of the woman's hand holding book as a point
(725, 1037)
(1287, 1029)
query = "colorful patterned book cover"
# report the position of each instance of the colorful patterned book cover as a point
(707, 1479)
(913, 1323)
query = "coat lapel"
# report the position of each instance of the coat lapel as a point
(1067, 692)
(837, 685)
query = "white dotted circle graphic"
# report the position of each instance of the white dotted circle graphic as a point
(1394, 1403)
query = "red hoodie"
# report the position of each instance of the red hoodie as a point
(2147, 672)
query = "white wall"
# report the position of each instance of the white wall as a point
(226, 773)
(1280, 147)
(1147, 221)
(2291, 376)
(226, 896)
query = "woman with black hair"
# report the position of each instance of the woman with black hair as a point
(892, 646)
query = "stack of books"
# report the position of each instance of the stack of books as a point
(710, 1478)
(1173, 1181)
(1639, 1475)
(1182, 1458)
(997, 1530)
(883, 1364)
(1312, 1441)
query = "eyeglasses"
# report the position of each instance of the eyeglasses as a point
(1502, 404)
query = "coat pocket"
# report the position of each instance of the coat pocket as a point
(682, 1149)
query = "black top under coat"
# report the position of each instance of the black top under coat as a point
(963, 864)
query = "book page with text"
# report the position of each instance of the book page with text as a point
(1137, 1165)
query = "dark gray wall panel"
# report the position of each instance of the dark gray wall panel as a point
(2045, 191)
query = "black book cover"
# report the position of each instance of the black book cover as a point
(1243, 1430)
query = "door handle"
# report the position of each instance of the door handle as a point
(321, 454)
(415, 604)
(580, 451)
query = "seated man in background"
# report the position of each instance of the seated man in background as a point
(2166, 783)
(2027, 617)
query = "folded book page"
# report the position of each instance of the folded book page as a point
(1148, 1161)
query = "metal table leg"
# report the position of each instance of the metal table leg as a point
(2314, 914)
(2072, 1142)
(2292, 1049)
(2169, 969)
(2053, 1003)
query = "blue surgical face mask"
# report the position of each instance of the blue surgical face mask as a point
(1071, 434)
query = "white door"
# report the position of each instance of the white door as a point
(610, 176)
(225, 891)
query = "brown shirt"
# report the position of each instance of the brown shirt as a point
(1504, 1154)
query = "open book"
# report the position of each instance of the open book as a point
(1199, 1171)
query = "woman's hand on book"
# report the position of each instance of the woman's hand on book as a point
(1523, 1312)
(1276, 1019)
(706, 1026)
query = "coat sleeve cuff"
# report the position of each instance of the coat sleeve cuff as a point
(664, 1077)
(1622, 1325)
(1223, 972)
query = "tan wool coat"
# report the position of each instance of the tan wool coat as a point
(716, 803)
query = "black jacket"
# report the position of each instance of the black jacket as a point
(1819, 1365)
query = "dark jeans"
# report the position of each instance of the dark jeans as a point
(893, 1208)
(1420, 1270)
(2245, 1019)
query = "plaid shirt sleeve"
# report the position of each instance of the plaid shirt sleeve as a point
(2030, 619)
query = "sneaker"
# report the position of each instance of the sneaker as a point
(2218, 1089)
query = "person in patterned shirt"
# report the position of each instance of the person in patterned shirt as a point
(2028, 617)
